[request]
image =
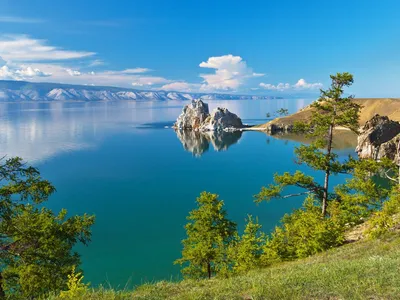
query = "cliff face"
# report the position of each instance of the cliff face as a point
(379, 138)
(196, 116)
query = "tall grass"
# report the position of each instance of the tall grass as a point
(362, 270)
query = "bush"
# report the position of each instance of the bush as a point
(385, 219)
(302, 233)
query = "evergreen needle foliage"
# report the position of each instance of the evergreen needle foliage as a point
(36, 246)
(247, 251)
(331, 110)
(209, 234)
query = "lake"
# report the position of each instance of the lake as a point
(122, 162)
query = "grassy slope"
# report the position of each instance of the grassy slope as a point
(361, 270)
(384, 106)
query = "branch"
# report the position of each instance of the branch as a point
(391, 178)
(294, 195)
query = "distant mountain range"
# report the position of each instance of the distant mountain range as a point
(29, 91)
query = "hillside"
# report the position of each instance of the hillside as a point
(370, 106)
(367, 269)
(12, 91)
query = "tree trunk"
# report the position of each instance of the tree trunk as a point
(327, 172)
(398, 159)
(209, 270)
(2, 293)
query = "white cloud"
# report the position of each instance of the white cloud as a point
(96, 62)
(8, 73)
(30, 72)
(13, 19)
(22, 48)
(180, 86)
(230, 73)
(279, 87)
(33, 59)
(301, 84)
(73, 72)
(136, 71)
(148, 80)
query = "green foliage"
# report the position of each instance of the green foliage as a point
(279, 112)
(302, 233)
(298, 179)
(282, 112)
(36, 245)
(384, 220)
(329, 111)
(246, 253)
(209, 235)
(365, 191)
(76, 287)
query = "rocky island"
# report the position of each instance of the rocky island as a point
(196, 116)
(197, 128)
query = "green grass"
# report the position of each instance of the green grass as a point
(362, 270)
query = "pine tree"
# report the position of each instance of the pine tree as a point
(36, 246)
(331, 110)
(209, 234)
(247, 251)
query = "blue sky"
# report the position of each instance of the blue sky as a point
(258, 47)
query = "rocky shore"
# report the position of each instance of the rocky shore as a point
(379, 138)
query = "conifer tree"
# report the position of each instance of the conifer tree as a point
(36, 246)
(209, 234)
(330, 111)
(247, 251)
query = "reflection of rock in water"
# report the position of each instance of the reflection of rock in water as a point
(199, 142)
(193, 141)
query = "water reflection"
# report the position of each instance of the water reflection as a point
(40, 131)
(199, 142)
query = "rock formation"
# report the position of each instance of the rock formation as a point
(195, 116)
(273, 128)
(379, 138)
(220, 120)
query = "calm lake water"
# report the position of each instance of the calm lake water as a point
(119, 162)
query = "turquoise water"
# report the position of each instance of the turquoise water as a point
(119, 162)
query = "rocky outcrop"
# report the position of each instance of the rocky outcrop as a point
(195, 116)
(379, 138)
(274, 128)
(221, 119)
